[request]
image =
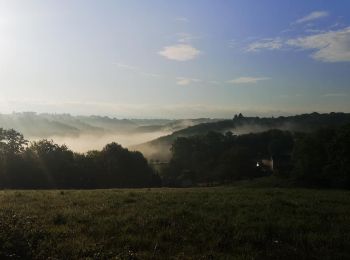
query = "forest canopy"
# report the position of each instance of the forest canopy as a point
(44, 164)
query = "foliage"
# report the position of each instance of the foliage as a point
(44, 164)
(322, 158)
(219, 158)
(319, 158)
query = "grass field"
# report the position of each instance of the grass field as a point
(200, 223)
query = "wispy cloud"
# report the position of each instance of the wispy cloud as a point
(327, 46)
(179, 52)
(265, 44)
(315, 31)
(332, 46)
(335, 95)
(312, 16)
(215, 82)
(136, 69)
(180, 80)
(232, 43)
(152, 75)
(125, 66)
(186, 81)
(184, 37)
(247, 80)
(182, 19)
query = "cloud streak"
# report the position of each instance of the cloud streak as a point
(335, 95)
(247, 80)
(136, 69)
(265, 44)
(182, 19)
(179, 80)
(184, 37)
(125, 66)
(182, 81)
(312, 16)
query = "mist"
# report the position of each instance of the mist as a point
(85, 133)
(88, 142)
(256, 128)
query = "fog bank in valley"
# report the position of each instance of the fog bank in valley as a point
(84, 133)
(87, 142)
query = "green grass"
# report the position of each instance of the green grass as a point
(200, 223)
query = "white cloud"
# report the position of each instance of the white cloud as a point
(180, 52)
(332, 46)
(267, 44)
(312, 16)
(186, 81)
(247, 80)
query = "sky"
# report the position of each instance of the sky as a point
(174, 59)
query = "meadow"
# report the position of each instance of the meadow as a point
(237, 222)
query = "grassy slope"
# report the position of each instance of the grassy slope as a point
(207, 223)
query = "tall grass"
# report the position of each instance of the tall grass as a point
(200, 223)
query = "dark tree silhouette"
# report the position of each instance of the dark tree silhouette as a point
(44, 164)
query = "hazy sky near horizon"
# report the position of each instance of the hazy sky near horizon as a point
(174, 58)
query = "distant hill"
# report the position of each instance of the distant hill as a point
(33, 125)
(174, 125)
(47, 125)
(159, 149)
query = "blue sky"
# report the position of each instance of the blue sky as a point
(175, 59)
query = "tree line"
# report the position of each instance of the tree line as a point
(320, 158)
(223, 158)
(44, 164)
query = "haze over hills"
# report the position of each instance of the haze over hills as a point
(153, 137)
(83, 133)
(159, 149)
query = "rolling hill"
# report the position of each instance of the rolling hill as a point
(159, 149)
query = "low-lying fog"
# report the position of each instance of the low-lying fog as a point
(87, 142)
